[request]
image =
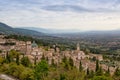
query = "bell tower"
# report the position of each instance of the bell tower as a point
(28, 47)
(78, 47)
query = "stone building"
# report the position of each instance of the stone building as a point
(78, 47)
(21, 46)
(2, 40)
(97, 56)
(28, 47)
(81, 55)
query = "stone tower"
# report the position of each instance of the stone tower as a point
(78, 47)
(28, 47)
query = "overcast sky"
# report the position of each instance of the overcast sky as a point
(62, 14)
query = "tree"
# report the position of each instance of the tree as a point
(53, 63)
(15, 70)
(101, 78)
(87, 51)
(1, 60)
(25, 61)
(67, 66)
(117, 72)
(71, 63)
(66, 63)
(8, 60)
(14, 55)
(91, 75)
(94, 58)
(43, 57)
(99, 72)
(64, 59)
(80, 66)
(35, 60)
(27, 74)
(88, 72)
(0, 51)
(41, 70)
(107, 73)
(47, 59)
(62, 76)
(97, 65)
(17, 59)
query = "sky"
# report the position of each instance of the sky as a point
(81, 15)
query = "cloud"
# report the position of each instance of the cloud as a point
(66, 8)
(62, 5)
(61, 14)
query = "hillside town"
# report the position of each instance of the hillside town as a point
(33, 51)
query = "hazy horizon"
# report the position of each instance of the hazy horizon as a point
(76, 30)
(83, 15)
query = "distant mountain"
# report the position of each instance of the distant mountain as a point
(29, 32)
(109, 33)
(73, 33)
(51, 31)
(5, 29)
(36, 29)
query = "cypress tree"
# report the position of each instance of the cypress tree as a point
(53, 64)
(62, 77)
(71, 63)
(64, 59)
(88, 72)
(99, 72)
(47, 59)
(117, 72)
(91, 74)
(107, 72)
(43, 57)
(17, 59)
(97, 65)
(8, 58)
(35, 60)
(80, 66)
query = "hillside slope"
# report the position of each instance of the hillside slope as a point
(5, 29)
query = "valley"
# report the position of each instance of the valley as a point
(95, 52)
